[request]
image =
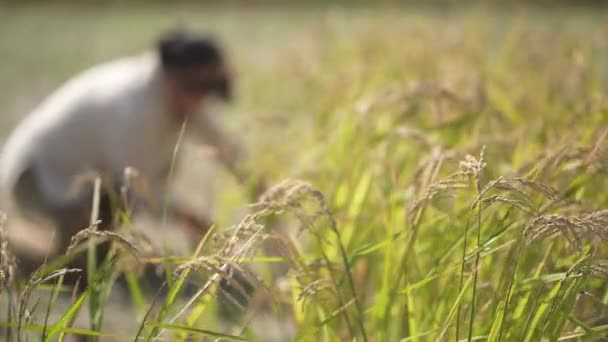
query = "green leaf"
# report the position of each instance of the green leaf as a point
(183, 328)
(68, 317)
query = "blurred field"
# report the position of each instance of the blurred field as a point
(462, 155)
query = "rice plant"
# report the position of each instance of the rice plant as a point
(436, 177)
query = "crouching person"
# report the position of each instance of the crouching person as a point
(125, 114)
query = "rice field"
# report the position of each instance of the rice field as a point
(438, 174)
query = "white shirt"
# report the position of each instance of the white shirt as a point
(106, 118)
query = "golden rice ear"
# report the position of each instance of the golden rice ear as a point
(7, 259)
(106, 235)
(576, 229)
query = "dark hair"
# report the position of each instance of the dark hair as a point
(184, 49)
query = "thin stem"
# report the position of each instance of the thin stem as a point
(475, 271)
(178, 144)
(462, 269)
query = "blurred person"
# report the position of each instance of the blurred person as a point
(126, 114)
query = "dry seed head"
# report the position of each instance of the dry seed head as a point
(472, 166)
(521, 205)
(290, 191)
(277, 192)
(548, 225)
(504, 184)
(105, 235)
(300, 198)
(441, 188)
(310, 290)
(297, 197)
(244, 236)
(245, 278)
(541, 188)
(574, 228)
(598, 268)
(567, 156)
(223, 269)
(7, 259)
(285, 249)
(208, 263)
(566, 206)
(508, 185)
(59, 273)
(36, 280)
(427, 170)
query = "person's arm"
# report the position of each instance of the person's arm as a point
(228, 152)
(154, 195)
(206, 128)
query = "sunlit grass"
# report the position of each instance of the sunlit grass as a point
(401, 228)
